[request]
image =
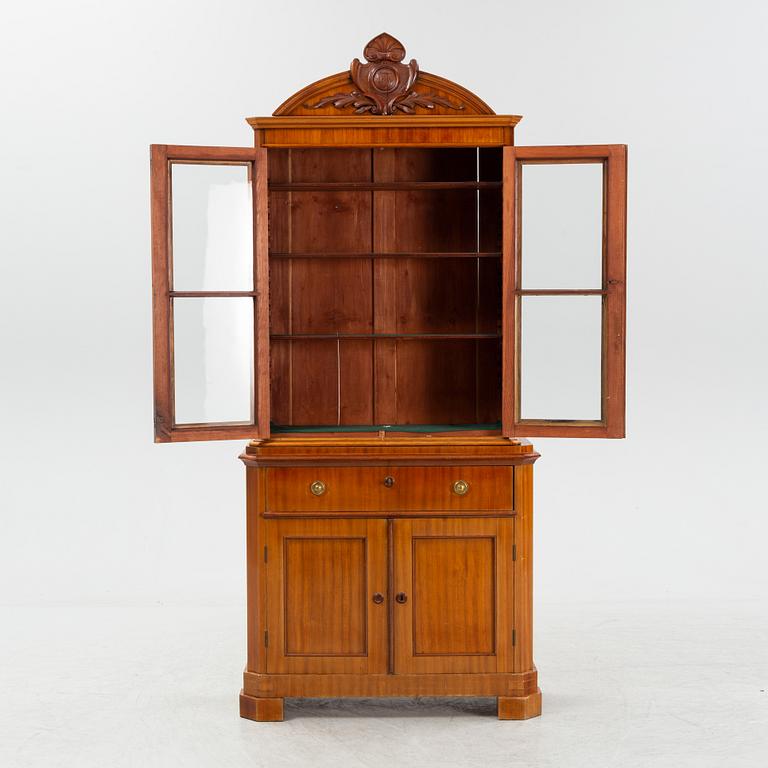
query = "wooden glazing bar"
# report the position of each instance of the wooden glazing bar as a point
(175, 152)
(161, 282)
(508, 299)
(560, 292)
(260, 203)
(211, 294)
(564, 153)
(614, 327)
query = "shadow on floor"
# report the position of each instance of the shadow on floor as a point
(423, 706)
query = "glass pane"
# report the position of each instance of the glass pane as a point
(560, 365)
(212, 225)
(213, 360)
(562, 225)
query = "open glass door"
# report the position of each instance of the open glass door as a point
(210, 293)
(564, 270)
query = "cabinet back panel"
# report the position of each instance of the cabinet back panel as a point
(488, 381)
(314, 381)
(331, 296)
(439, 164)
(436, 382)
(346, 382)
(433, 220)
(322, 382)
(325, 165)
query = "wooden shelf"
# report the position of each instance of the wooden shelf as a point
(398, 336)
(373, 186)
(384, 255)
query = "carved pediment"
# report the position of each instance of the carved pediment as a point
(384, 85)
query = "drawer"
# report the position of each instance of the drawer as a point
(390, 490)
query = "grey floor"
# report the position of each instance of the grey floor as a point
(651, 684)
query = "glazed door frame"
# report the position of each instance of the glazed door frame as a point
(485, 645)
(340, 584)
(613, 157)
(162, 157)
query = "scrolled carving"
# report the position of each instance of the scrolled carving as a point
(384, 85)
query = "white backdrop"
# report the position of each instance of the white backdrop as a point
(93, 511)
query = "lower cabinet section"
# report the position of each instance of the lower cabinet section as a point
(404, 596)
(389, 566)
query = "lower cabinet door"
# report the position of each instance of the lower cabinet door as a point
(326, 596)
(453, 595)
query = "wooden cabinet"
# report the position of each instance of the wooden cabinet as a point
(386, 296)
(372, 594)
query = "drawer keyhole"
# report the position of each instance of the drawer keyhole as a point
(389, 481)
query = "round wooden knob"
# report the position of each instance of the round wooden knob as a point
(318, 487)
(378, 598)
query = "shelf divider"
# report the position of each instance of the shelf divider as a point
(372, 186)
(389, 255)
(374, 336)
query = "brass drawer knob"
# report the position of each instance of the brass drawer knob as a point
(318, 487)
(460, 487)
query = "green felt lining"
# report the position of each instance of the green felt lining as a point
(282, 429)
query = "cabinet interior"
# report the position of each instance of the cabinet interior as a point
(385, 289)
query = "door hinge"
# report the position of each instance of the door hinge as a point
(266, 638)
(514, 552)
(265, 553)
(514, 637)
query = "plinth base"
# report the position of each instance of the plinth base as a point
(261, 710)
(520, 707)
(270, 710)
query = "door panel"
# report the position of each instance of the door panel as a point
(325, 596)
(322, 576)
(455, 571)
(563, 285)
(453, 579)
(210, 292)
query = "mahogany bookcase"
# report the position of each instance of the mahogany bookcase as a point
(386, 296)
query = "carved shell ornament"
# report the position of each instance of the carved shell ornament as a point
(384, 85)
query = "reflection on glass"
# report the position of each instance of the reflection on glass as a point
(562, 225)
(560, 363)
(213, 359)
(212, 226)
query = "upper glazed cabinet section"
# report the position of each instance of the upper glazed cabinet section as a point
(386, 260)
